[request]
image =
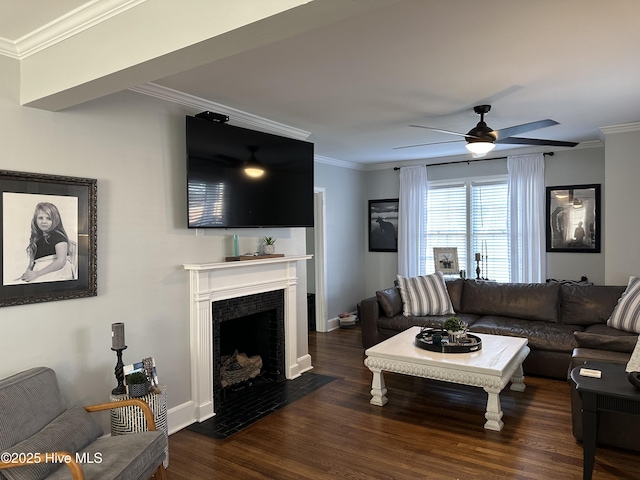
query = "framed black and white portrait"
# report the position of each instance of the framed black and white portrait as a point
(48, 233)
(383, 225)
(573, 218)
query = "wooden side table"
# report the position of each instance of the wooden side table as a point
(130, 419)
(612, 392)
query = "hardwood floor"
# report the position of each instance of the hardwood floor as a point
(428, 429)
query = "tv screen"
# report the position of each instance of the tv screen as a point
(222, 195)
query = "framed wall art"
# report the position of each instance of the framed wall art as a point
(446, 260)
(383, 225)
(48, 233)
(573, 218)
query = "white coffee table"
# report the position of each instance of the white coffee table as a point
(498, 362)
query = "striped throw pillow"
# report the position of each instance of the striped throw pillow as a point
(626, 315)
(425, 295)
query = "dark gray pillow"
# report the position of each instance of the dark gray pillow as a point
(390, 301)
(69, 432)
(614, 343)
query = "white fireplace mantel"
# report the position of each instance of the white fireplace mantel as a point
(211, 282)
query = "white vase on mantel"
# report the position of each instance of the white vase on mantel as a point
(269, 249)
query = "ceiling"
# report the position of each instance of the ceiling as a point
(358, 83)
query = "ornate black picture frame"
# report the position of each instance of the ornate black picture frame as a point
(573, 218)
(383, 225)
(75, 203)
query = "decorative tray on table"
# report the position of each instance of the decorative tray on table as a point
(437, 340)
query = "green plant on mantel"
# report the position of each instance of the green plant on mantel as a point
(270, 240)
(454, 324)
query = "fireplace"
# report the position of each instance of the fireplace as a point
(252, 325)
(210, 283)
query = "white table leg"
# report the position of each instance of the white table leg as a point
(517, 381)
(378, 390)
(494, 411)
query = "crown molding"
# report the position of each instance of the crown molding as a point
(623, 128)
(236, 117)
(338, 163)
(68, 25)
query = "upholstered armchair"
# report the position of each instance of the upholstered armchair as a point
(41, 438)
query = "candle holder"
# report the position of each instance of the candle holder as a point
(478, 268)
(119, 372)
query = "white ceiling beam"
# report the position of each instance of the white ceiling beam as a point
(158, 38)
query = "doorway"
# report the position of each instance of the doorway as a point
(316, 270)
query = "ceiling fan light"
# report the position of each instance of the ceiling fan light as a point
(252, 167)
(480, 148)
(254, 171)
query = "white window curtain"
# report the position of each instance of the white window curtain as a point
(526, 218)
(412, 218)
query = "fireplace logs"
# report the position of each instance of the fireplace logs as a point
(239, 368)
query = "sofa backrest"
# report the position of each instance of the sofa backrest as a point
(28, 401)
(531, 301)
(454, 287)
(588, 304)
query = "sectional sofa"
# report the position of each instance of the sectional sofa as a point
(547, 314)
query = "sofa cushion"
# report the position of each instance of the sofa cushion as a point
(29, 400)
(529, 301)
(390, 301)
(588, 305)
(541, 335)
(69, 432)
(454, 287)
(618, 343)
(121, 457)
(626, 315)
(424, 295)
(399, 323)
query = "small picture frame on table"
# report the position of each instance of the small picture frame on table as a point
(446, 260)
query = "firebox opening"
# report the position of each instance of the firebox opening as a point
(245, 328)
(250, 336)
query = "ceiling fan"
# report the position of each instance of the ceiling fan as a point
(482, 139)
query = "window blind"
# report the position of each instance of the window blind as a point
(489, 229)
(471, 216)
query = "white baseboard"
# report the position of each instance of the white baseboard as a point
(304, 363)
(180, 417)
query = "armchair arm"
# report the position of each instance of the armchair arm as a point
(148, 414)
(49, 457)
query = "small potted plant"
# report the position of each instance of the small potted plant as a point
(138, 384)
(269, 245)
(456, 329)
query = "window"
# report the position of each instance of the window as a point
(471, 216)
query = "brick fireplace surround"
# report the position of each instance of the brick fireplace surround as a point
(211, 282)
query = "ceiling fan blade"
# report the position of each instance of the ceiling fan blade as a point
(525, 127)
(536, 141)
(440, 130)
(424, 144)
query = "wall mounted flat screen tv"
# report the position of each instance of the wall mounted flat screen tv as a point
(222, 195)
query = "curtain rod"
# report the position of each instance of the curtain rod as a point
(551, 154)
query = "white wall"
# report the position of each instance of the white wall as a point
(381, 268)
(134, 146)
(344, 193)
(577, 167)
(622, 170)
